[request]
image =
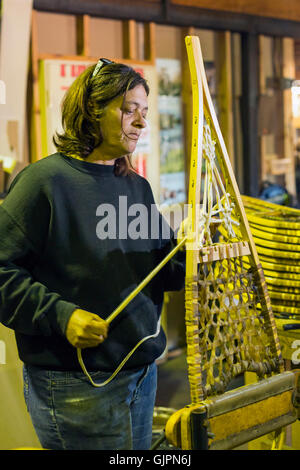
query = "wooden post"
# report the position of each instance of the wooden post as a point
(149, 42)
(224, 87)
(36, 136)
(262, 91)
(251, 150)
(83, 35)
(129, 40)
(237, 80)
(277, 66)
(288, 72)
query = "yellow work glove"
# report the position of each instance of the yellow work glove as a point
(85, 329)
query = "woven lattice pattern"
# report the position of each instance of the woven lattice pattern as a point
(229, 334)
(230, 325)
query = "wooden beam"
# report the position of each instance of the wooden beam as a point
(169, 13)
(266, 8)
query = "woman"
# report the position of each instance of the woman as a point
(70, 253)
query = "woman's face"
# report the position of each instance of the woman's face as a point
(122, 123)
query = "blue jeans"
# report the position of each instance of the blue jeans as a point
(68, 413)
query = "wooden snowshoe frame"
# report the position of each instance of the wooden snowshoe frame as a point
(230, 325)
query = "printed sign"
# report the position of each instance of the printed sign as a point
(172, 171)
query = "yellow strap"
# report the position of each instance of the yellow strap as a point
(267, 264)
(276, 237)
(121, 307)
(264, 221)
(287, 310)
(120, 366)
(280, 323)
(283, 295)
(291, 255)
(283, 247)
(279, 275)
(275, 230)
(281, 282)
(271, 206)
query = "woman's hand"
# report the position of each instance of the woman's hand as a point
(85, 329)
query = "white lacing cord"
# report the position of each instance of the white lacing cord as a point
(84, 369)
(222, 210)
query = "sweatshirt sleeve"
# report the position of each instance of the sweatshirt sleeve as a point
(26, 305)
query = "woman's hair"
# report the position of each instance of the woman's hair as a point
(83, 106)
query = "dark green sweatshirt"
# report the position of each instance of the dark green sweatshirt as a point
(63, 245)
